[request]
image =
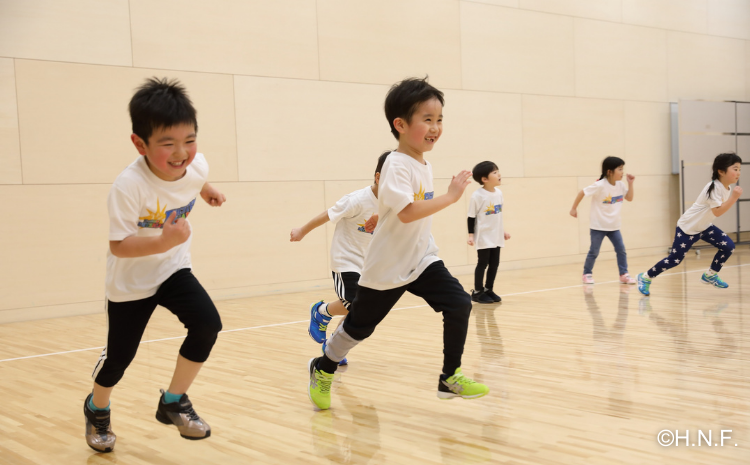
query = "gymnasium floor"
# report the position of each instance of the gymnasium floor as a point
(578, 375)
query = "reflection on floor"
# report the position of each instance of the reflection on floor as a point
(578, 374)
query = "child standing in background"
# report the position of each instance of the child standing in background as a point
(486, 230)
(696, 223)
(608, 193)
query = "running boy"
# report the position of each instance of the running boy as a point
(403, 255)
(486, 230)
(355, 216)
(148, 262)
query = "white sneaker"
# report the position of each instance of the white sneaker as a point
(626, 279)
(588, 279)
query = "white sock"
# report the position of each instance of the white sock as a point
(710, 272)
(323, 310)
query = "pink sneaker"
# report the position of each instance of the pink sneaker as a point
(626, 279)
(588, 279)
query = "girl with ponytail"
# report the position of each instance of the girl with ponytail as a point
(696, 223)
(608, 193)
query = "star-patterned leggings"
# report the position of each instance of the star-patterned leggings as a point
(682, 243)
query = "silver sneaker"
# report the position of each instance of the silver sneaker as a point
(99, 435)
(182, 415)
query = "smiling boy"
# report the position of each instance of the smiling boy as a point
(402, 255)
(148, 262)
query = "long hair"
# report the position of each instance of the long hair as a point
(722, 162)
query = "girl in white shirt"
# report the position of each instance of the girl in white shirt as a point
(696, 223)
(607, 196)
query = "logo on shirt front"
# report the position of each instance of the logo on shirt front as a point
(613, 200)
(422, 195)
(155, 219)
(493, 209)
(361, 228)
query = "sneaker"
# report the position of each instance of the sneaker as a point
(319, 389)
(318, 323)
(182, 415)
(459, 385)
(715, 280)
(481, 297)
(341, 363)
(626, 279)
(492, 295)
(588, 279)
(99, 435)
(644, 283)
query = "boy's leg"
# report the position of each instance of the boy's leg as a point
(184, 296)
(483, 259)
(596, 242)
(445, 294)
(615, 237)
(494, 263)
(126, 322)
(347, 284)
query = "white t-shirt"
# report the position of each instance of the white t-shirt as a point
(350, 240)
(606, 204)
(699, 216)
(138, 204)
(487, 208)
(400, 252)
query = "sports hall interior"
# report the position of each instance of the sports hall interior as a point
(289, 95)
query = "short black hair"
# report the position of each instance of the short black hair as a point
(381, 160)
(611, 164)
(158, 104)
(404, 97)
(483, 170)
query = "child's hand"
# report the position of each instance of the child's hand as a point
(471, 239)
(174, 232)
(458, 185)
(371, 223)
(630, 178)
(296, 235)
(736, 192)
(212, 196)
(574, 213)
(507, 236)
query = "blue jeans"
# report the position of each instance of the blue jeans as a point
(596, 242)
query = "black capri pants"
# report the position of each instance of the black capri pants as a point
(182, 295)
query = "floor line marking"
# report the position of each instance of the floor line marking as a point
(306, 321)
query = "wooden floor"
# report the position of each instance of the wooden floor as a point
(578, 375)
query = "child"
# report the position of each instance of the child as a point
(486, 217)
(148, 262)
(696, 223)
(355, 216)
(606, 204)
(403, 256)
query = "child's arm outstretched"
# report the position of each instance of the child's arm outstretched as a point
(629, 195)
(298, 234)
(574, 210)
(173, 234)
(423, 208)
(736, 193)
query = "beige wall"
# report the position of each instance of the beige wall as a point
(289, 96)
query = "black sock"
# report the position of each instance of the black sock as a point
(326, 364)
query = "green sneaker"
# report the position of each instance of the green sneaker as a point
(459, 385)
(319, 389)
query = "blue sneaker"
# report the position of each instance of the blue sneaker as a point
(644, 283)
(715, 280)
(318, 323)
(341, 363)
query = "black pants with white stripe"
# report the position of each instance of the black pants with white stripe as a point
(682, 243)
(182, 295)
(346, 284)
